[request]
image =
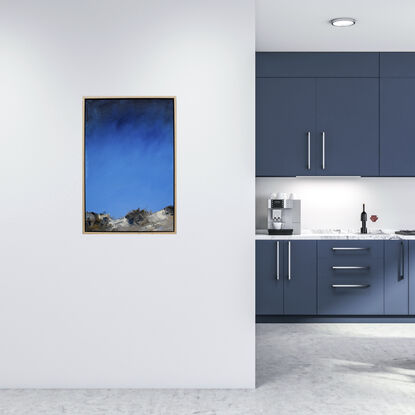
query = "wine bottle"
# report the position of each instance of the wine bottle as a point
(363, 218)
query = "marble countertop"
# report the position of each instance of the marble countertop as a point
(386, 234)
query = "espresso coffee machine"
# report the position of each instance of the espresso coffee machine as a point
(284, 215)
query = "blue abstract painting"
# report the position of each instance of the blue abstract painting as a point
(129, 165)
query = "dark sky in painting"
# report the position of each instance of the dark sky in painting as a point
(128, 155)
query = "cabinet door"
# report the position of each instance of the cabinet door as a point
(397, 127)
(300, 277)
(396, 277)
(285, 114)
(350, 278)
(269, 279)
(348, 117)
(412, 277)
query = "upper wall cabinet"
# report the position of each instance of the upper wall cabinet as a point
(397, 109)
(324, 126)
(317, 114)
(317, 64)
(397, 64)
(347, 127)
(397, 127)
(335, 114)
(285, 123)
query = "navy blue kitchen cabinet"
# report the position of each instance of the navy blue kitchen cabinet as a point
(397, 108)
(397, 64)
(323, 119)
(335, 114)
(350, 278)
(285, 120)
(286, 278)
(396, 277)
(335, 278)
(269, 290)
(300, 277)
(397, 127)
(317, 64)
(411, 277)
(348, 126)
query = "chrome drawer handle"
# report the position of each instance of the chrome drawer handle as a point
(308, 150)
(323, 149)
(350, 249)
(350, 285)
(289, 260)
(349, 267)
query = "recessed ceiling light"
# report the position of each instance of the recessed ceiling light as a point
(343, 21)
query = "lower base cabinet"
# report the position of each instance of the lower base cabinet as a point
(286, 277)
(335, 277)
(396, 277)
(350, 278)
(269, 288)
(300, 282)
(411, 266)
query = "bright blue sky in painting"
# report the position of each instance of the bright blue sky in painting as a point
(128, 155)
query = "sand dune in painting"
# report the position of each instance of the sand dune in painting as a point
(139, 220)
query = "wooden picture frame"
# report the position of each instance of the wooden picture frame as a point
(141, 218)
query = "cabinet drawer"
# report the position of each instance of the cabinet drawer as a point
(339, 251)
(350, 277)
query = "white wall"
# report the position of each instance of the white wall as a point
(337, 202)
(126, 310)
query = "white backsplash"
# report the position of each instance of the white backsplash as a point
(331, 202)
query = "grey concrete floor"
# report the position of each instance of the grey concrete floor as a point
(301, 369)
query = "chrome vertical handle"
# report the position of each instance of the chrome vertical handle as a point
(289, 260)
(278, 261)
(402, 263)
(308, 150)
(323, 145)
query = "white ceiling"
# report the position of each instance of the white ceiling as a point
(302, 25)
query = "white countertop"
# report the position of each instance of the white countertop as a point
(335, 234)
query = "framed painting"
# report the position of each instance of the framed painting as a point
(129, 165)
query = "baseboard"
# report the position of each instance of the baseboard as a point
(335, 319)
